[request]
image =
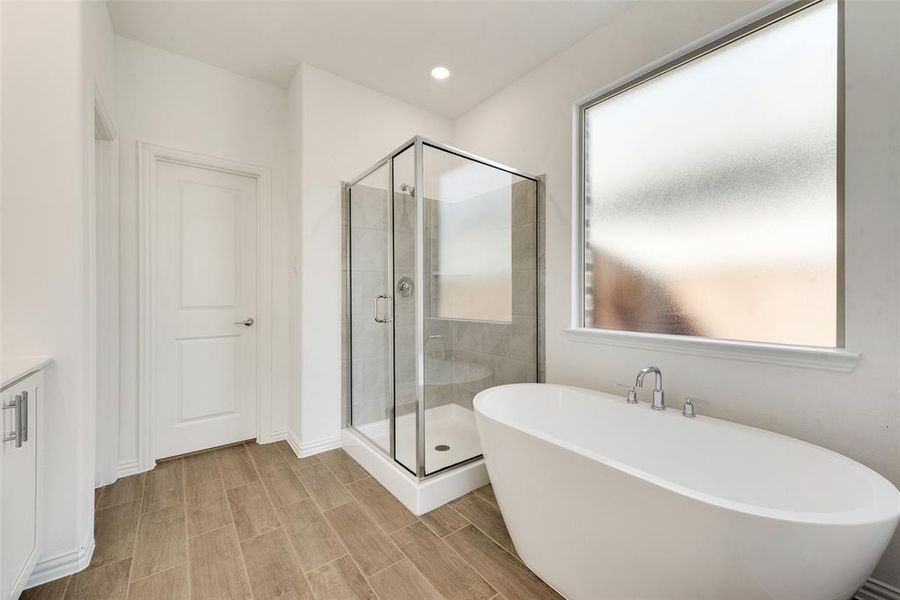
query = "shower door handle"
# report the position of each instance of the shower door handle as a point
(386, 319)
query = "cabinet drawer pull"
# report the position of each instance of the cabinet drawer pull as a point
(23, 418)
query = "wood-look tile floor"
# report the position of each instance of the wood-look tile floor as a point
(254, 522)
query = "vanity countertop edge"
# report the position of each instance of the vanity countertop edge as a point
(14, 369)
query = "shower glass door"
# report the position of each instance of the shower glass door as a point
(371, 307)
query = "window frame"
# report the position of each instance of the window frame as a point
(837, 358)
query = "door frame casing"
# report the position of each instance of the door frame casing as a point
(149, 155)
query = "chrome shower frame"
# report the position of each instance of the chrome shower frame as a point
(418, 143)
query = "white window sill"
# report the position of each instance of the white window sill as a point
(803, 357)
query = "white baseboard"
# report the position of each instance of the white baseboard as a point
(320, 445)
(126, 468)
(123, 469)
(62, 565)
(309, 448)
(286, 435)
(873, 589)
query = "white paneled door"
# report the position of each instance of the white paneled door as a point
(204, 387)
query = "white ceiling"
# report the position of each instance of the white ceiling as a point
(387, 46)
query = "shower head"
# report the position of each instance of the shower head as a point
(408, 189)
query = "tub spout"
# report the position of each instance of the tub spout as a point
(659, 397)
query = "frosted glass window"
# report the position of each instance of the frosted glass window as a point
(711, 205)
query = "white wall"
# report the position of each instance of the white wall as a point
(344, 128)
(529, 125)
(172, 101)
(99, 49)
(53, 56)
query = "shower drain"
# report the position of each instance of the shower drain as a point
(442, 447)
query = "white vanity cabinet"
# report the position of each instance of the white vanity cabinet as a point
(20, 480)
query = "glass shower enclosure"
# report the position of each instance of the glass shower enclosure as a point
(441, 292)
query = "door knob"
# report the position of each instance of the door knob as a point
(248, 322)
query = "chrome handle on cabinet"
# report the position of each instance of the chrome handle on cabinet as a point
(248, 322)
(23, 420)
(16, 434)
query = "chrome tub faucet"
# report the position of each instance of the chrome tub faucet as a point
(659, 397)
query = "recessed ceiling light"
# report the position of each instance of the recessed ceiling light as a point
(440, 72)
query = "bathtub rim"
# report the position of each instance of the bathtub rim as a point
(884, 507)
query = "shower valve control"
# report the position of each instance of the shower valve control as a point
(405, 286)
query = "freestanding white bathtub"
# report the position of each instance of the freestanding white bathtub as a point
(609, 500)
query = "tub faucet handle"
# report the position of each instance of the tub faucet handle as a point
(688, 408)
(631, 395)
